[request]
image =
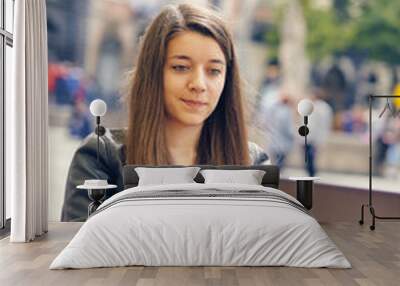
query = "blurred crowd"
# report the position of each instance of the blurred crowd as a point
(278, 115)
(70, 87)
(93, 43)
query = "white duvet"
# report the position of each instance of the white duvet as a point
(182, 231)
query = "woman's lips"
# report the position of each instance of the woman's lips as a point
(194, 103)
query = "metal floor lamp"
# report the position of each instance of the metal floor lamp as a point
(370, 205)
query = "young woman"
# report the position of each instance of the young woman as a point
(185, 106)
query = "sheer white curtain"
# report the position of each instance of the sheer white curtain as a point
(27, 123)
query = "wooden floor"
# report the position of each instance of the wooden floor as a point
(375, 257)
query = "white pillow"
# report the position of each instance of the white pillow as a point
(162, 176)
(249, 177)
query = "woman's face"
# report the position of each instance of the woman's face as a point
(194, 77)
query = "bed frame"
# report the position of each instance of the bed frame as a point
(270, 179)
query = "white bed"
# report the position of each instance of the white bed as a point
(224, 225)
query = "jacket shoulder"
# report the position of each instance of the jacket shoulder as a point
(111, 144)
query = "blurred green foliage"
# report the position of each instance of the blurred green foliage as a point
(273, 40)
(377, 31)
(369, 27)
(326, 34)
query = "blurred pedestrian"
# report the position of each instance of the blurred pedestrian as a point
(79, 124)
(386, 151)
(334, 85)
(278, 121)
(270, 87)
(396, 91)
(354, 120)
(320, 124)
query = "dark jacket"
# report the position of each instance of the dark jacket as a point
(84, 166)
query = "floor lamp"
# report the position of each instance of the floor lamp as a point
(370, 205)
(305, 108)
(97, 188)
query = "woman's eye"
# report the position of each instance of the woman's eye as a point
(215, 71)
(180, 68)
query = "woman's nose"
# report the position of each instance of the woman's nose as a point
(197, 81)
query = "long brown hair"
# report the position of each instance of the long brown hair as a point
(223, 138)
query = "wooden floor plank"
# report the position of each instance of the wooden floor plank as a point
(375, 257)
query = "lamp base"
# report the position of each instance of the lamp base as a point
(97, 196)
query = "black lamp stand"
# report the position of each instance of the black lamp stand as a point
(303, 131)
(370, 205)
(100, 131)
(97, 195)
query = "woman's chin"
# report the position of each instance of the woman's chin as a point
(192, 120)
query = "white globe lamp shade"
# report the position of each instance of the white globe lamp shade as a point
(305, 107)
(98, 107)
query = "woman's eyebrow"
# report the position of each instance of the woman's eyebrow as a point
(217, 61)
(184, 57)
(180, 57)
